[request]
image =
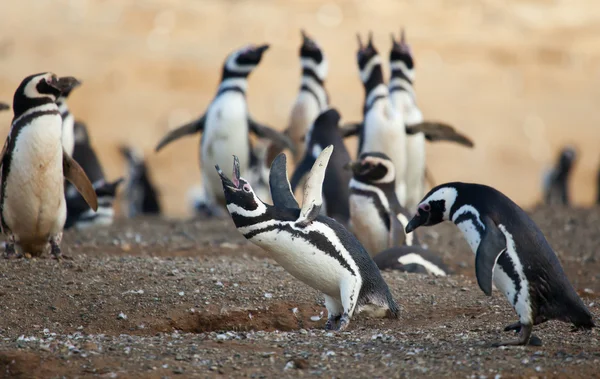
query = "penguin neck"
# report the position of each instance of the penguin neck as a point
(372, 78)
(26, 105)
(377, 93)
(63, 108)
(401, 83)
(384, 191)
(468, 220)
(233, 84)
(313, 85)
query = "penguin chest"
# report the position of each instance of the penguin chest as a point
(304, 258)
(33, 198)
(366, 215)
(225, 135)
(304, 112)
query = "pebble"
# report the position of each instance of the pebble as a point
(268, 295)
(315, 318)
(181, 293)
(122, 316)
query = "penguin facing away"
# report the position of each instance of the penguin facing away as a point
(556, 182)
(315, 249)
(510, 251)
(413, 259)
(32, 199)
(141, 194)
(325, 132)
(79, 214)
(378, 220)
(227, 122)
(68, 121)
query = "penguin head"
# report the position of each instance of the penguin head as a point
(434, 208)
(401, 52)
(239, 195)
(39, 89)
(567, 158)
(80, 133)
(242, 62)
(373, 168)
(369, 61)
(312, 58)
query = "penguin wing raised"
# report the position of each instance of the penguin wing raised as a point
(351, 129)
(438, 131)
(4, 106)
(184, 130)
(281, 192)
(313, 189)
(263, 131)
(493, 243)
(75, 174)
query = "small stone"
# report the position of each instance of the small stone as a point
(268, 295)
(538, 368)
(588, 290)
(178, 370)
(315, 318)
(525, 361)
(122, 316)
(219, 284)
(221, 337)
(181, 293)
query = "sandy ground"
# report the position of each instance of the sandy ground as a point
(154, 298)
(520, 77)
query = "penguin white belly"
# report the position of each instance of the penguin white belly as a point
(385, 133)
(367, 224)
(304, 112)
(225, 135)
(68, 136)
(415, 170)
(34, 203)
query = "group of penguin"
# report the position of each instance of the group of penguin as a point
(356, 216)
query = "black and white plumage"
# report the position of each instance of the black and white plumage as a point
(79, 214)
(68, 121)
(325, 132)
(141, 195)
(414, 259)
(34, 165)
(510, 252)
(313, 248)
(227, 123)
(377, 218)
(556, 181)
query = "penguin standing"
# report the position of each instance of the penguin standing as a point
(32, 199)
(68, 121)
(141, 194)
(556, 181)
(377, 218)
(510, 251)
(325, 132)
(414, 259)
(314, 249)
(79, 214)
(226, 123)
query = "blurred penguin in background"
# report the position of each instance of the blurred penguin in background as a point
(555, 185)
(141, 196)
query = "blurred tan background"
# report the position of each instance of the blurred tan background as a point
(520, 77)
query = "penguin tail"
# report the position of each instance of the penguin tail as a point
(579, 315)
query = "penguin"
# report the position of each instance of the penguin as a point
(32, 200)
(226, 124)
(141, 194)
(315, 249)
(413, 259)
(79, 214)
(4, 106)
(325, 132)
(556, 181)
(68, 121)
(510, 252)
(377, 218)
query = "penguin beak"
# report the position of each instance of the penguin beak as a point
(420, 219)
(227, 183)
(233, 183)
(261, 49)
(64, 84)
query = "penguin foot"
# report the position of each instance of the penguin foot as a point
(344, 322)
(332, 322)
(10, 251)
(524, 337)
(55, 250)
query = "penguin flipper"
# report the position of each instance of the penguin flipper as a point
(438, 131)
(184, 130)
(263, 131)
(73, 172)
(313, 189)
(281, 192)
(4, 106)
(301, 170)
(397, 233)
(493, 243)
(351, 129)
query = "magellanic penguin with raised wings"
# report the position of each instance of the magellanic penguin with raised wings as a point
(34, 164)
(226, 124)
(377, 217)
(315, 249)
(556, 180)
(325, 132)
(79, 213)
(404, 100)
(510, 252)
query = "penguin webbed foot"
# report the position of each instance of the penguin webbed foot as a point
(344, 322)
(533, 340)
(525, 338)
(516, 326)
(55, 250)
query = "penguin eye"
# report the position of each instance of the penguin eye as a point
(247, 188)
(426, 207)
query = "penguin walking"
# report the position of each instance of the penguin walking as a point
(377, 218)
(510, 251)
(227, 122)
(32, 200)
(79, 213)
(141, 194)
(556, 181)
(413, 259)
(314, 249)
(68, 121)
(325, 132)
(4, 106)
